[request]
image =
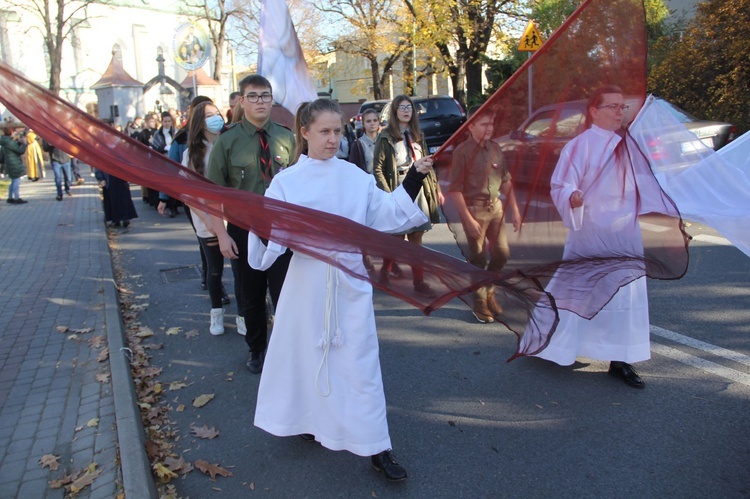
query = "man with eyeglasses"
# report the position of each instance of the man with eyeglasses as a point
(246, 157)
(597, 196)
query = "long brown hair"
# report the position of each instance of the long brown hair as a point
(596, 99)
(393, 127)
(196, 136)
(306, 115)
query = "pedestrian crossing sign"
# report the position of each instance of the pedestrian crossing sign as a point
(531, 40)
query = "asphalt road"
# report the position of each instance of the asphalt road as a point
(464, 422)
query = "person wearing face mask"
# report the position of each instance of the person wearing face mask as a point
(204, 126)
(176, 150)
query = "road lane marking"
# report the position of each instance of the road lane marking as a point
(702, 364)
(705, 238)
(701, 345)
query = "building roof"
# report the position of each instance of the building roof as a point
(201, 79)
(115, 74)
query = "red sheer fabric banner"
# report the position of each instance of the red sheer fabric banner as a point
(630, 227)
(301, 229)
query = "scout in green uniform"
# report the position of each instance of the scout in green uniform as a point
(246, 157)
(478, 175)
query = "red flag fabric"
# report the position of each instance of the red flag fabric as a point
(301, 229)
(526, 124)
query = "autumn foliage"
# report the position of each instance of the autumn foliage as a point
(707, 71)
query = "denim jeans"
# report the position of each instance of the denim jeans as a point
(59, 169)
(13, 188)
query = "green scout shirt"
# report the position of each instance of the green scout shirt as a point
(235, 158)
(477, 170)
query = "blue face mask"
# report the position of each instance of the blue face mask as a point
(214, 124)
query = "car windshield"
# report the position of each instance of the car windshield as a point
(567, 125)
(437, 108)
(682, 115)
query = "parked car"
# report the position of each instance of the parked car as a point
(543, 135)
(356, 120)
(439, 118)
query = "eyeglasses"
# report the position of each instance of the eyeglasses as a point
(405, 108)
(615, 107)
(255, 98)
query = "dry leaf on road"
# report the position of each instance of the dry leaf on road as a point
(176, 385)
(204, 431)
(96, 341)
(93, 422)
(50, 460)
(212, 469)
(82, 331)
(173, 331)
(202, 400)
(103, 355)
(163, 474)
(86, 479)
(102, 377)
(192, 333)
(145, 332)
(61, 329)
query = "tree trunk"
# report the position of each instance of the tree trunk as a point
(377, 92)
(219, 60)
(473, 80)
(55, 64)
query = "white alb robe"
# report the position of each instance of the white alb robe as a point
(607, 221)
(322, 368)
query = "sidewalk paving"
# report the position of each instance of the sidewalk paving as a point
(57, 274)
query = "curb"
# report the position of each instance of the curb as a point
(138, 481)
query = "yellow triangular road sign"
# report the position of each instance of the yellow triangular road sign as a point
(531, 40)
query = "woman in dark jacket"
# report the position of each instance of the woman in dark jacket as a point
(12, 150)
(397, 147)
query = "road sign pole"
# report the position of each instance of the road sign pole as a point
(531, 86)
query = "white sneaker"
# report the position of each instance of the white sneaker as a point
(217, 321)
(241, 328)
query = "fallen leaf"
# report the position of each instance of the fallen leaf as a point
(374, 494)
(50, 460)
(178, 465)
(102, 377)
(103, 355)
(141, 297)
(176, 385)
(73, 337)
(217, 489)
(82, 331)
(145, 332)
(154, 346)
(202, 400)
(96, 341)
(212, 469)
(61, 329)
(180, 408)
(61, 482)
(204, 431)
(252, 485)
(192, 333)
(86, 479)
(163, 474)
(79, 428)
(93, 422)
(172, 331)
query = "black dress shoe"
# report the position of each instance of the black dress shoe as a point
(255, 362)
(385, 464)
(626, 372)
